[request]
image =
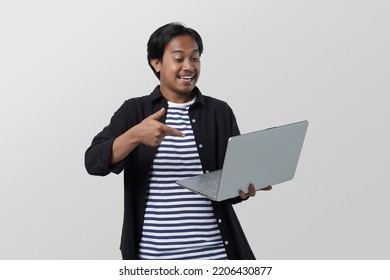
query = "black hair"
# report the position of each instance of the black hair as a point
(163, 35)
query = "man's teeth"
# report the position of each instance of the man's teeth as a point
(186, 77)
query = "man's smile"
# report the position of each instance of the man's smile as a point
(186, 77)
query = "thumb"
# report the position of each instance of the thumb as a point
(157, 115)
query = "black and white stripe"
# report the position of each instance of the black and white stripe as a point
(179, 224)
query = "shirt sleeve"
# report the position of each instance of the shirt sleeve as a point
(98, 155)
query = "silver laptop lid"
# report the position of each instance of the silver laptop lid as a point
(264, 158)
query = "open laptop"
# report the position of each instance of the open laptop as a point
(263, 158)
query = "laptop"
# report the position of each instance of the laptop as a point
(263, 158)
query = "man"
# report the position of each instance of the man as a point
(173, 133)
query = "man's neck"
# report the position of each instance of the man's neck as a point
(177, 97)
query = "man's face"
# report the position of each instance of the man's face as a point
(179, 68)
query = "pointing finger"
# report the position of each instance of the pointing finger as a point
(173, 131)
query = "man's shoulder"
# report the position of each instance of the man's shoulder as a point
(137, 100)
(133, 107)
(216, 103)
(140, 100)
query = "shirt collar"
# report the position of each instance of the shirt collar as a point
(156, 96)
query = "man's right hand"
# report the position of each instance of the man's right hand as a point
(151, 132)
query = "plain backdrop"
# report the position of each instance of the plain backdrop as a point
(66, 66)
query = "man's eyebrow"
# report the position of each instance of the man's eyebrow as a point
(181, 51)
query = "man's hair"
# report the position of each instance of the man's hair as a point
(163, 35)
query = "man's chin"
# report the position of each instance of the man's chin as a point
(185, 90)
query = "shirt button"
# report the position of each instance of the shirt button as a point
(200, 146)
(219, 221)
(226, 242)
(193, 121)
(207, 171)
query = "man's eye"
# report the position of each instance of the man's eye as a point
(196, 59)
(179, 59)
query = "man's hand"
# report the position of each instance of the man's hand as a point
(151, 132)
(252, 191)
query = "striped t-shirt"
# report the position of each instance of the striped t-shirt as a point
(178, 224)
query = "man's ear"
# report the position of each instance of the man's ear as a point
(156, 64)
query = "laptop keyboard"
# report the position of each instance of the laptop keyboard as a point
(209, 188)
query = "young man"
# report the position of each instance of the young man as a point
(173, 133)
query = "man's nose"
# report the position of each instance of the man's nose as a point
(188, 65)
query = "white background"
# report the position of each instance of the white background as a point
(66, 66)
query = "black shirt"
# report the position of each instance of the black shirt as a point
(213, 122)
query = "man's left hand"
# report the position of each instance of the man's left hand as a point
(252, 191)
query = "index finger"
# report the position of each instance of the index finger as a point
(172, 131)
